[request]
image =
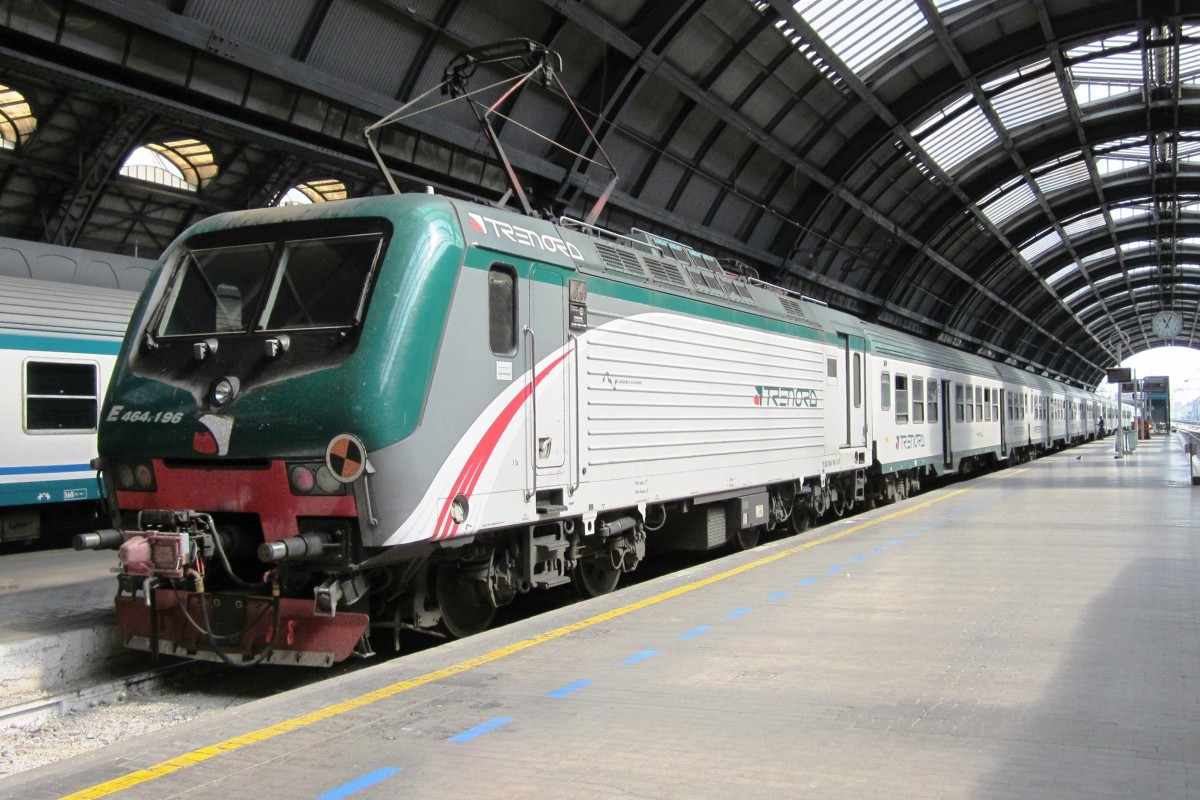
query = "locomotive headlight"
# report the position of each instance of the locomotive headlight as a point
(135, 476)
(326, 482)
(302, 479)
(458, 509)
(125, 476)
(144, 476)
(224, 390)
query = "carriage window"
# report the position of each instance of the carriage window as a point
(885, 390)
(987, 404)
(901, 398)
(858, 380)
(959, 414)
(970, 403)
(502, 309)
(918, 400)
(831, 367)
(932, 399)
(61, 397)
(979, 403)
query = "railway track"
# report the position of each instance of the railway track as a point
(35, 712)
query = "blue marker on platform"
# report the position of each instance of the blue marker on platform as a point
(642, 656)
(358, 784)
(479, 730)
(570, 688)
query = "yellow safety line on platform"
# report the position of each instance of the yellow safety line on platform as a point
(262, 734)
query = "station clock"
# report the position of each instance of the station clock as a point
(1167, 324)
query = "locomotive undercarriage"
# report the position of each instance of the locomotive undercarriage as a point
(207, 585)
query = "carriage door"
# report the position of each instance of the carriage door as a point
(549, 371)
(1005, 413)
(856, 408)
(947, 410)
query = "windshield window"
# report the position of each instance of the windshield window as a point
(282, 284)
(320, 282)
(215, 290)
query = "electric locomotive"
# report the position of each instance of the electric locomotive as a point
(403, 411)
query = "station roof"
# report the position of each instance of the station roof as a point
(1019, 179)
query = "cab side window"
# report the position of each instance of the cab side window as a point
(502, 309)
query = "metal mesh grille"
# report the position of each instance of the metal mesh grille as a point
(620, 260)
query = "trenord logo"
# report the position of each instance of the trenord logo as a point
(785, 397)
(523, 236)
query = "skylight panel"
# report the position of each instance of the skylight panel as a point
(959, 138)
(1133, 247)
(1107, 166)
(861, 37)
(1102, 254)
(1068, 270)
(1016, 197)
(1125, 214)
(1075, 295)
(1030, 100)
(1088, 92)
(1085, 224)
(1121, 40)
(1189, 63)
(1041, 245)
(1063, 176)
(1124, 67)
(1188, 146)
(17, 122)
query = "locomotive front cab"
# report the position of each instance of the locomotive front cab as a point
(232, 439)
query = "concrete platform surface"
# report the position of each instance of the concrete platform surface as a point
(1033, 633)
(56, 621)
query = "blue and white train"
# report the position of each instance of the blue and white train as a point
(58, 343)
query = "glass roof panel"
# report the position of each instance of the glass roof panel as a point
(1040, 245)
(1189, 63)
(1101, 254)
(1016, 197)
(1030, 100)
(1085, 224)
(16, 119)
(1078, 293)
(1063, 176)
(958, 139)
(1069, 269)
(1099, 46)
(860, 39)
(1088, 92)
(1124, 214)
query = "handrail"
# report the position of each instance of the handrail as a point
(531, 363)
(576, 405)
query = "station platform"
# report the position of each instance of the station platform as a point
(56, 621)
(1034, 632)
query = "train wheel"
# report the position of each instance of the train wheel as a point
(839, 506)
(595, 576)
(465, 611)
(746, 538)
(800, 520)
